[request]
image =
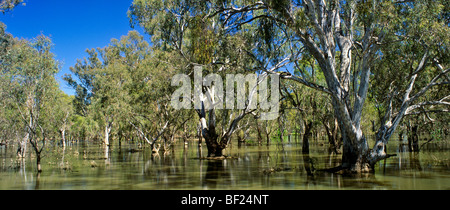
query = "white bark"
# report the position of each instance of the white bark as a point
(214, 141)
(107, 132)
(153, 139)
(63, 137)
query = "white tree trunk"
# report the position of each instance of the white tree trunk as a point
(107, 132)
(63, 136)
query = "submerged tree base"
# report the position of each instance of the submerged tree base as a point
(223, 157)
(348, 170)
(276, 169)
(354, 168)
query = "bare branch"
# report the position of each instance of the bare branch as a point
(153, 139)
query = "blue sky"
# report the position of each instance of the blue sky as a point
(73, 25)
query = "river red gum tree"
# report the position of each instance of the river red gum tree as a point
(344, 38)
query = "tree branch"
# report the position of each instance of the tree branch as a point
(431, 84)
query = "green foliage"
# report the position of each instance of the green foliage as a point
(8, 5)
(29, 90)
(418, 31)
(126, 85)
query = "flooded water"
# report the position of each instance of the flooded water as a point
(275, 167)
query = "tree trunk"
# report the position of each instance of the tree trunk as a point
(106, 140)
(332, 134)
(63, 136)
(22, 146)
(107, 132)
(208, 127)
(209, 133)
(38, 161)
(413, 139)
(214, 149)
(306, 136)
(259, 136)
(155, 148)
(199, 133)
(355, 147)
(307, 161)
(354, 155)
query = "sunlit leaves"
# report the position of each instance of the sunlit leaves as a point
(28, 88)
(7, 5)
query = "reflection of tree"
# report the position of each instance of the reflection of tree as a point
(214, 172)
(38, 178)
(414, 161)
(307, 161)
(413, 138)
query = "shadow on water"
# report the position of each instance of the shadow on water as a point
(277, 166)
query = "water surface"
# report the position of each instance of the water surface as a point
(250, 167)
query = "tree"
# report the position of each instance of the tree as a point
(412, 77)
(8, 119)
(344, 38)
(59, 115)
(152, 117)
(104, 81)
(29, 69)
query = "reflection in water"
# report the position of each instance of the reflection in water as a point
(414, 161)
(215, 172)
(278, 166)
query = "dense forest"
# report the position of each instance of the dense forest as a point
(353, 73)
